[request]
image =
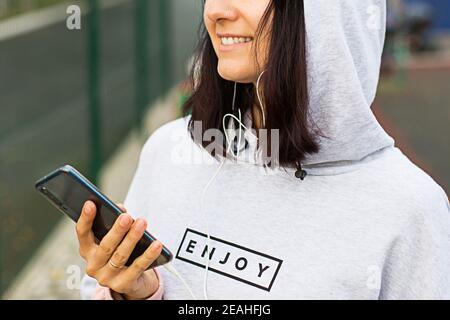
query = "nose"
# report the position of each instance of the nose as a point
(218, 10)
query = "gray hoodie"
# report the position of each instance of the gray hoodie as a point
(366, 223)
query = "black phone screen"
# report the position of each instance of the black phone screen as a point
(70, 195)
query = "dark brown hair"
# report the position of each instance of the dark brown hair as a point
(283, 86)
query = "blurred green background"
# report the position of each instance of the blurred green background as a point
(72, 96)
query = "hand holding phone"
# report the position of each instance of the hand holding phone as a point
(106, 260)
(117, 249)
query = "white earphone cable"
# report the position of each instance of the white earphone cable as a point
(263, 111)
(172, 270)
(229, 144)
(169, 266)
(205, 278)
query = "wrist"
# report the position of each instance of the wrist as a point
(123, 296)
(128, 297)
(150, 287)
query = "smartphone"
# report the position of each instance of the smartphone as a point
(68, 190)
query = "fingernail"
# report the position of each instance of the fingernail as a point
(88, 208)
(157, 245)
(140, 224)
(124, 220)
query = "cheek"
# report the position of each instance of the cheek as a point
(209, 27)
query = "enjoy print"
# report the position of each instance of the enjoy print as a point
(229, 259)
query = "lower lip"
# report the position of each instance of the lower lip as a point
(233, 46)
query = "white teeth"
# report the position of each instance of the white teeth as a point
(230, 40)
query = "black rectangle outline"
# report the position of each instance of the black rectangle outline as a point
(234, 245)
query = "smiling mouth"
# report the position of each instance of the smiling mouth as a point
(228, 41)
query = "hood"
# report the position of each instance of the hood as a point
(344, 43)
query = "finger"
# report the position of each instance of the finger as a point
(126, 247)
(142, 263)
(84, 227)
(121, 206)
(112, 239)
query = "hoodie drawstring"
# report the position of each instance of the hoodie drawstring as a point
(300, 173)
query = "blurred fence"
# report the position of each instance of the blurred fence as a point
(71, 96)
(9, 8)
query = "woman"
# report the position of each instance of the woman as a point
(339, 213)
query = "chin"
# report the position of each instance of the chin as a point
(234, 73)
